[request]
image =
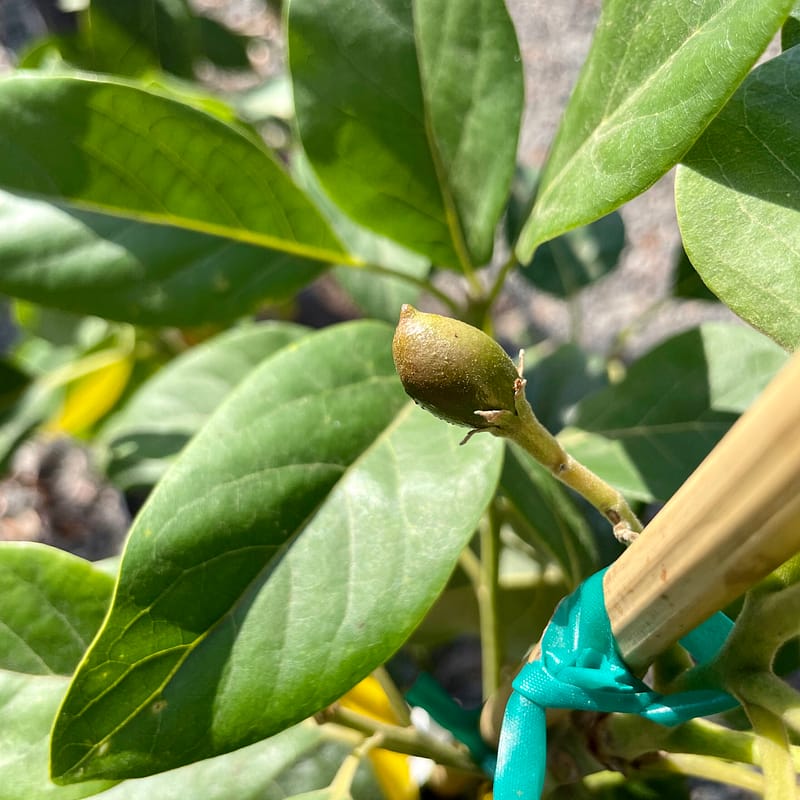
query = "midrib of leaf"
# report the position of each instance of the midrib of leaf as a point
(622, 108)
(244, 235)
(237, 233)
(189, 648)
(68, 626)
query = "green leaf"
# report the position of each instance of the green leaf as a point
(221, 45)
(737, 203)
(687, 283)
(292, 548)
(647, 434)
(410, 116)
(53, 604)
(155, 424)
(645, 93)
(317, 768)
(520, 201)
(134, 38)
(565, 265)
(550, 519)
(248, 774)
(13, 382)
(35, 405)
(133, 271)
(28, 704)
(558, 380)
(110, 146)
(378, 295)
(790, 32)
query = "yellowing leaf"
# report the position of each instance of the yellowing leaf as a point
(393, 775)
(92, 396)
(391, 769)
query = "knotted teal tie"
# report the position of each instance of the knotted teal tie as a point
(580, 668)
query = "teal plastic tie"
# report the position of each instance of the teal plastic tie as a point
(580, 668)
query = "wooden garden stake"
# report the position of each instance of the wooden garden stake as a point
(735, 520)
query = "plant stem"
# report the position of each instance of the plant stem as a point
(423, 283)
(491, 644)
(500, 280)
(403, 740)
(525, 429)
(342, 782)
(709, 768)
(628, 737)
(471, 565)
(774, 752)
(768, 691)
(395, 697)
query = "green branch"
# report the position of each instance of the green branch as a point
(708, 768)
(487, 591)
(774, 754)
(402, 740)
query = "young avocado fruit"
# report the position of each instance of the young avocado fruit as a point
(452, 369)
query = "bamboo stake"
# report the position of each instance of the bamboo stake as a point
(735, 520)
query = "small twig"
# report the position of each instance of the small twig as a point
(707, 767)
(394, 695)
(422, 283)
(491, 644)
(500, 280)
(471, 565)
(775, 756)
(342, 783)
(403, 740)
(522, 427)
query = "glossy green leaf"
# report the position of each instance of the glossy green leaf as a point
(133, 271)
(155, 424)
(410, 116)
(558, 380)
(13, 382)
(737, 201)
(251, 773)
(379, 295)
(109, 146)
(687, 283)
(28, 704)
(53, 604)
(647, 434)
(520, 201)
(657, 73)
(35, 405)
(136, 39)
(545, 516)
(133, 38)
(291, 549)
(790, 32)
(566, 264)
(221, 45)
(317, 768)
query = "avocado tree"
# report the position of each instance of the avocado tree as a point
(308, 531)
